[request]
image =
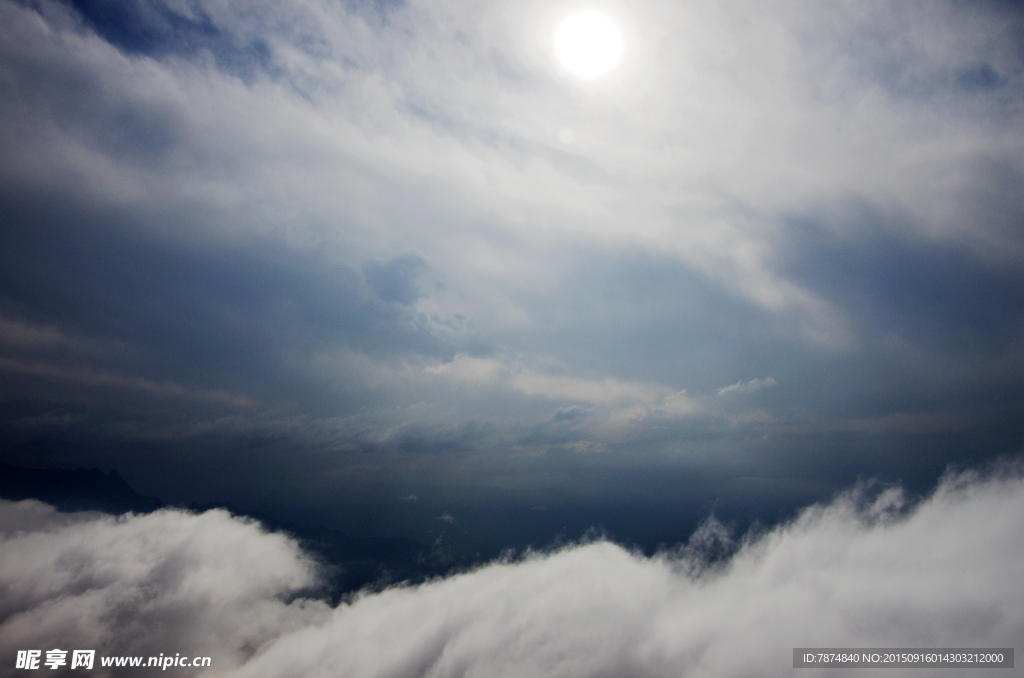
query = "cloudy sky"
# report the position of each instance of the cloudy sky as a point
(376, 262)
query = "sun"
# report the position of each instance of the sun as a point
(588, 44)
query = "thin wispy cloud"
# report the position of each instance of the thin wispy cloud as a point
(747, 386)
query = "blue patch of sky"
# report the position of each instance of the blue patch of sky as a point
(152, 29)
(980, 77)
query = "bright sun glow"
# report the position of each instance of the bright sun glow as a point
(588, 44)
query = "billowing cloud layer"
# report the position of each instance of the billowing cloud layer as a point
(165, 582)
(867, 570)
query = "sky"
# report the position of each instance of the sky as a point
(389, 266)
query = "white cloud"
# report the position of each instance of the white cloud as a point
(618, 404)
(747, 386)
(34, 516)
(587, 390)
(863, 571)
(165, 582)
(491, 372)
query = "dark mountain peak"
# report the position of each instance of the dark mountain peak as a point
(74, 490)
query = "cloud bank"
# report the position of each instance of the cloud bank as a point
(869, 569)
(163, 582)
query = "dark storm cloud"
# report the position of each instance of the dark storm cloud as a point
(225, 314)
(932, 315)
(396, 280)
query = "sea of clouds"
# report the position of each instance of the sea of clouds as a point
(869, 569)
